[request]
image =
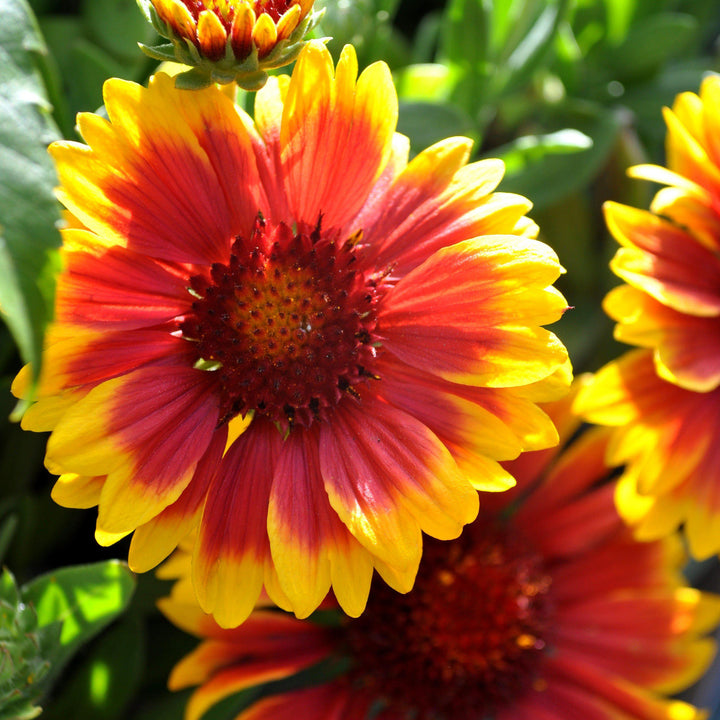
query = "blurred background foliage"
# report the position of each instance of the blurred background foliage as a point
(567, 92)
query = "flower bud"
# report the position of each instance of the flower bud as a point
(229, 40)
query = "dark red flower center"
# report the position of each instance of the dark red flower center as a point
(225, 9)
(287, 325)
(467, 640)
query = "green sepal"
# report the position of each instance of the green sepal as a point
(193, 79)
(165, 52)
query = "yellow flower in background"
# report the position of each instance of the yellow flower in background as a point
(545, 608)
(665, 399)
(284, 334)
(229, 40)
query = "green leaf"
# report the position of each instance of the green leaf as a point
(650, 43)
(505, 19)
(552, 170)
(367, 25)
(102, 686)
(426, 38)
(430, 82)
(426, 123)
(28, 212)
(8, 589)
(464, 47)
(90, 66)
(24, 665)
(84, 598)
(165, 706)
(7, 530)
(646, 99)
(619, 15)
(530, 149)
(41, 6)
(532, 50)
(117, 26)
(46, 621)
(464, 38)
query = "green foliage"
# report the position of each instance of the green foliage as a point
(427, 123)
(28, 212)
(43, 624)
(24, 651)
(98, 42)
(108, 678)
(517, 69)
(366, 24)
(548, 167)
(567, 92)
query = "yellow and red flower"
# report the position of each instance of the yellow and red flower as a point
(670, 260)
(284, 333)
(546, 609)
(229, 40)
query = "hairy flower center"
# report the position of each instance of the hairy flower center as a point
(288, 325)
(467, 639)
(225, 9)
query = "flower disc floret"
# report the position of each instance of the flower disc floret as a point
(288, 329)
(470, 635)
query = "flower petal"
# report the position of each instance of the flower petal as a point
(614, 696)
(162, 176)
(77, 491)
(606, 400)
(664, 440)
(643, 638)
(330, 701)
(687, 348)
(148, 432)
(265, 138)
(232, 549)
(470, 313)
(437, 201)
(157, 538)
(387, 477)
(115, 354)
(269, 646)
(664, 261)
(115, 288)
(685, 153)
(311, 548)
(496, 423)
(336, 134)
(685, 209)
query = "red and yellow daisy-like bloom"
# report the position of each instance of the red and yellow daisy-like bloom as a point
(666, 398)
(285, 333)
(545, 609)
(229, 40)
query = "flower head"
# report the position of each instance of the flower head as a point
(670, 260)
(284, 333)
(545, 608)
(229, 40)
